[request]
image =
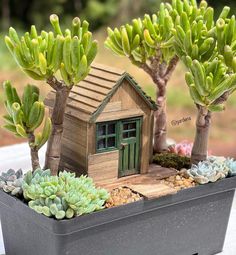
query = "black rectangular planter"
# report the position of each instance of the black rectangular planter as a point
(192, 222)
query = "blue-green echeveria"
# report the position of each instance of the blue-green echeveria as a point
(210, 170)
(63, 196)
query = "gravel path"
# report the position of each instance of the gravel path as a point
(17, 156)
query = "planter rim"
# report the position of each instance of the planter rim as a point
(80, 223)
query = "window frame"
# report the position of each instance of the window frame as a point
(106, 136)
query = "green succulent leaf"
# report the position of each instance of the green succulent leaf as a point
(63, 196)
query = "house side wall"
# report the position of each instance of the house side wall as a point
(74, 145)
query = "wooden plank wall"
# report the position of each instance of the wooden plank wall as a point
(132, 105)
(74, 145)
(103, 166)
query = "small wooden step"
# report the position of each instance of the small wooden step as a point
(151, 191)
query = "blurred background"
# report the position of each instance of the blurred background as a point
(100, 14)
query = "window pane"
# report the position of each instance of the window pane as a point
(101, 144)
(125, 126)
(101, 130)
(111, 129)
(126, 135)
(132, 134)
(132, 125)
(111, 142)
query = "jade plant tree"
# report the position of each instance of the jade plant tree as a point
(148, 43)
(24, 116)
(62, 59)
(208, 49)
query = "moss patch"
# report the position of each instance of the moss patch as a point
(171, 160)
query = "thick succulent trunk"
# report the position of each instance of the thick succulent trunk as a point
(54, 143)
(33, 152)
(34, 159)
(160, 72)
(160, 129)
(200, 146)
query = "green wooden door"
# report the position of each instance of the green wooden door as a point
(129, 147)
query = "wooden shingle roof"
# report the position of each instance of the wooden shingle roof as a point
(89, 97)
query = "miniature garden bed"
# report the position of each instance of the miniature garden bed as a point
(109, 133)
(168, 225)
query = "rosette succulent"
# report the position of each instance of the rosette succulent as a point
(231, 163)
(183, 148)
(210, 170)
(63, 196)
(11, 182)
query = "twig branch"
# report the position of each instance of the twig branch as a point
(147, 69)
(222, 98)
(155, 61)
(55, 83)
(171, 67)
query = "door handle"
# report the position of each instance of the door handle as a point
(122, 145)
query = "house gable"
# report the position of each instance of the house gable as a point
(126, 95)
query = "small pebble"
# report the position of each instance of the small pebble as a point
(180, 181)
(121, 196)
(178, 178)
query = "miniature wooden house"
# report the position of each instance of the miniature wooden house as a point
(108, 128)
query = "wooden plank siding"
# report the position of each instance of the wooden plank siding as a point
(74, 145)
(113, 107)
(91, 140)
(151, 131)
(119, 115)
(103, 166)
(132, 105)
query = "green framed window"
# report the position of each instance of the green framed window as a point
(106, 136)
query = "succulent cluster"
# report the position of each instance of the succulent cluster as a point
(225, 30)
(63, 196)
(208, 50)
(183, 148)
(231, 163)
(11, 182)
(42, 55)
(26, 114)
(140, 40)
(212, 169)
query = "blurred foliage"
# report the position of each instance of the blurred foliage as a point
(98, 12)
(218, 5)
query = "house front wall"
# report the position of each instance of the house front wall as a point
(125, 104)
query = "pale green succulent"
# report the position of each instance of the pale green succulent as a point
(62, 196)
(210, 170)
(11, 182)
(231, 163)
